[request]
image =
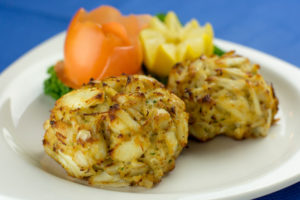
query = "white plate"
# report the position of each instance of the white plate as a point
(220, 169)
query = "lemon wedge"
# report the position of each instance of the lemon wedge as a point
(165, 56)
(150, 42)
(166, 43)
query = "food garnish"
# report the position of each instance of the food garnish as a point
(218, 51)
(101, 43)
(104, 43)
(224, 95)
(125, 130)
(53, 86)
(166, 43)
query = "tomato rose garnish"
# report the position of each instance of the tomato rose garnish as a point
(99, 44)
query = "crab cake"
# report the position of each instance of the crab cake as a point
(224, 95)
(125, 130)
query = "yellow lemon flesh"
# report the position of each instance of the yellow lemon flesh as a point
(166, 43)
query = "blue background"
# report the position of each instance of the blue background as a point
(271, 26)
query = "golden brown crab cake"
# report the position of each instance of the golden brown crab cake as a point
(125, 130)
(224, 95)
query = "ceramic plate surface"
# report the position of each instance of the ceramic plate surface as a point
(219, 169)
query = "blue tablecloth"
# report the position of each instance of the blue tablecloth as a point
(271, 26)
